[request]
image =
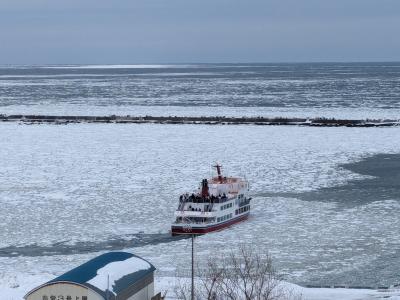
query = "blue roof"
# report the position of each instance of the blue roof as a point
(89, 270)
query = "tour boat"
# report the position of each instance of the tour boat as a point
(218, 203)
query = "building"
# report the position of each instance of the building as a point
(111, 276)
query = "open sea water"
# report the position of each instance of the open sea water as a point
(325, 90)
(325, 200)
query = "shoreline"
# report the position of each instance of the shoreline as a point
(209, 120)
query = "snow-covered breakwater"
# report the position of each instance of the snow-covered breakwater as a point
(208, 120)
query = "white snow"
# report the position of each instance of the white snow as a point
(16, 286)
(58, 183)
(11, 291)
(167, 284)
(114, 271)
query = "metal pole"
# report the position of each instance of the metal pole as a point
(108, 286)
(192, 266)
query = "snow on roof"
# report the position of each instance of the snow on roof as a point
(117, 269)
(109, 275)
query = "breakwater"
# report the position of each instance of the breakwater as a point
(209, 120)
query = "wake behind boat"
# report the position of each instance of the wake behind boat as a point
(220, 202)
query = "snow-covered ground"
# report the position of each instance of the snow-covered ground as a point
(10, 290)
(166, 286)
(93, 182)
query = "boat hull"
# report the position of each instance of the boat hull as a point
(185, 229)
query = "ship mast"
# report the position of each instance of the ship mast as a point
(218, 166)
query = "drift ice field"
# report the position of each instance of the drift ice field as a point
(88, 183)
(325, 202)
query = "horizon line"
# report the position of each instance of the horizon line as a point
(198, 63)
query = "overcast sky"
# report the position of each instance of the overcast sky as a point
(167, 31)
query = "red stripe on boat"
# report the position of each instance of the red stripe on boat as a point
(177, 230)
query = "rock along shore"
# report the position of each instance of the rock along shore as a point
(318, 122)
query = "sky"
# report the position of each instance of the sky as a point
(190, 31)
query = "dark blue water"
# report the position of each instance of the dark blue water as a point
(318, 85)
